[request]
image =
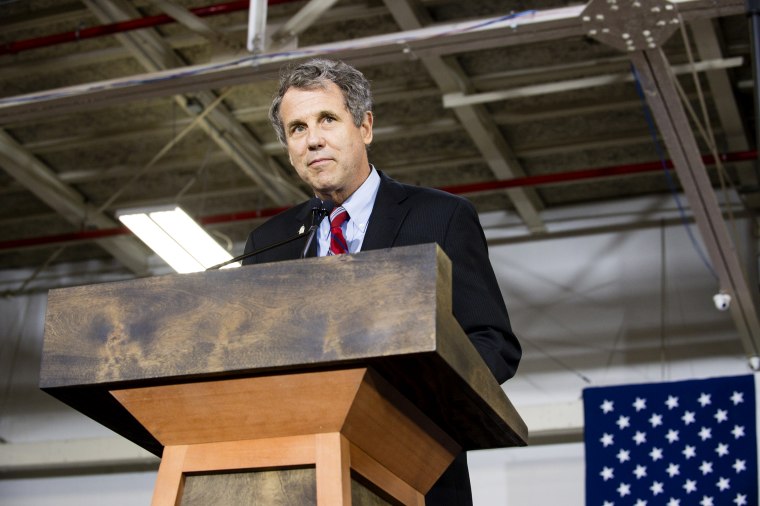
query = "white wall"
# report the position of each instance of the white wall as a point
(615, 306)
(118, 489)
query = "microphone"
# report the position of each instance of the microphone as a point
(319, 210)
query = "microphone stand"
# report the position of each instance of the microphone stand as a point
(318, 212)
(262, 250)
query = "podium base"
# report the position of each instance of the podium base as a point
(370, 437)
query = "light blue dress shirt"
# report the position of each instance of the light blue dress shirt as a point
(359, 206)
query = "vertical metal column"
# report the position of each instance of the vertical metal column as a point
(257, 27)
(657, 83)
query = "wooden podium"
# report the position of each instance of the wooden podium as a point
(331, 381)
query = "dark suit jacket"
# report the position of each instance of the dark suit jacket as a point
(405, 215)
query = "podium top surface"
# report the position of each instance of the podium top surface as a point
(387, 309)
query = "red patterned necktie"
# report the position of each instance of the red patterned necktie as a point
(338, 244)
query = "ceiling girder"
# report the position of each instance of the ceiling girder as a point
(657, 82)
(220, 124)
(445, 39)
(67, 202)
(483, 131)
(195, 23)
(437, 40)
(300, 21)
(708, 47)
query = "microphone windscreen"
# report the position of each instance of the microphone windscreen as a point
(315, 203)
(327, 206)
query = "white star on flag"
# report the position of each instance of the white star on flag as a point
(681, 443)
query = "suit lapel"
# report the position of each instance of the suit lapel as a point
(387, 215)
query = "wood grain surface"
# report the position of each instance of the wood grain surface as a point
(386, 309)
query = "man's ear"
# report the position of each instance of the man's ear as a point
(366, 128)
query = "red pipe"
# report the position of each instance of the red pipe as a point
(542, 180)
(563, 177)
(124, 26)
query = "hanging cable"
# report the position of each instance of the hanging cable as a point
(663, 299)
(668, 176)
(173, 142)
(557, 360)
(706, 130)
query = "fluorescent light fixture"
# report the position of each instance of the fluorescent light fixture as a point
(175, 237)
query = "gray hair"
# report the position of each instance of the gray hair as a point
(317, 73)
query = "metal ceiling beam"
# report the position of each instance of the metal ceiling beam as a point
(187, 18)
(183, 40)
(67, 202)
(550, 179)
(459, 99)
(437, 40)
(156, 55)
(483, 131)
(301, 20)
(657, 82)
(445, 39)
(707, 41)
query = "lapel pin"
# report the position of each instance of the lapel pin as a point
(302, 229)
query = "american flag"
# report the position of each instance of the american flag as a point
(673, 444)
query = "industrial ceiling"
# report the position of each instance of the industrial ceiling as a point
(522, 106)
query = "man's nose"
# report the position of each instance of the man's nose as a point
(315, 139)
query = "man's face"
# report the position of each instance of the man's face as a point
(327, 150)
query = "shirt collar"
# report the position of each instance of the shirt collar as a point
(359, 204)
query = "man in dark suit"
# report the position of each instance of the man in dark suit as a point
(323, 115)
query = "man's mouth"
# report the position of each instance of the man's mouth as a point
(318, 161)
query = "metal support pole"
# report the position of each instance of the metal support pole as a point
(257, 27)
(673, 123)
